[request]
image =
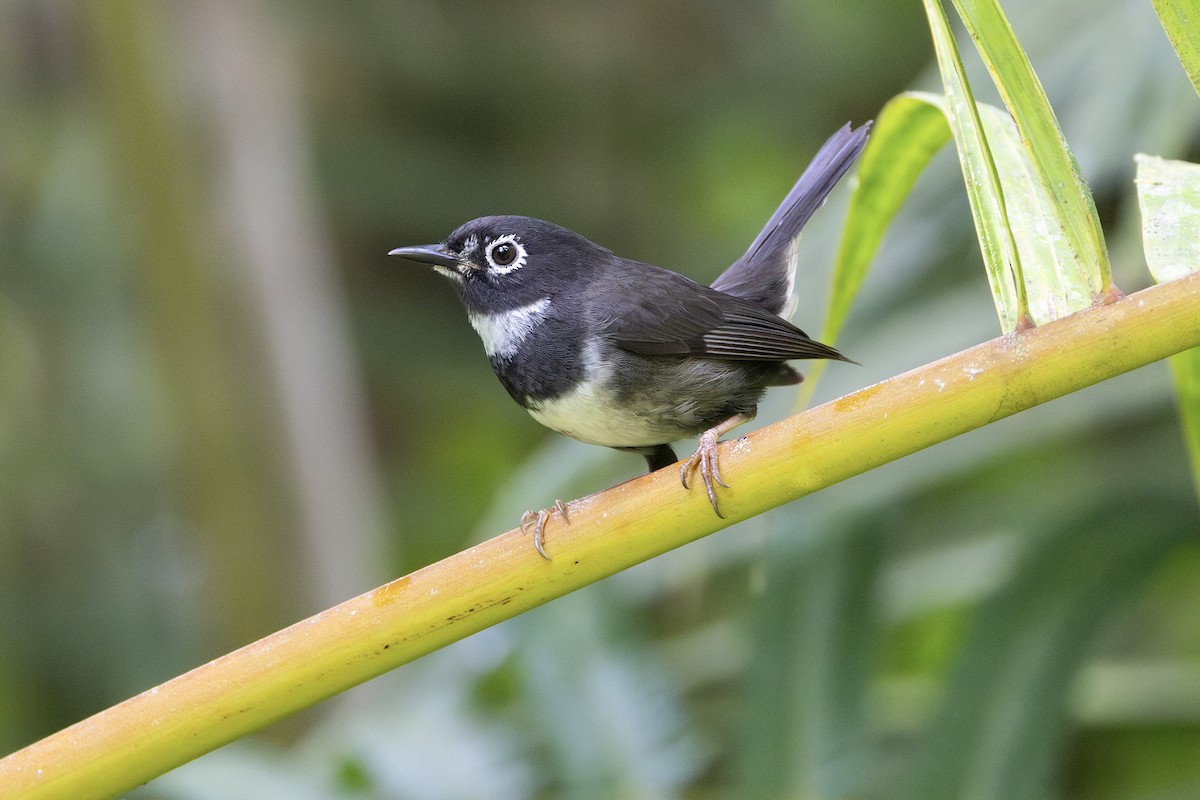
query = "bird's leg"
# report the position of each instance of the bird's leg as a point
(705, 458)
(657, 456)
(539, 524)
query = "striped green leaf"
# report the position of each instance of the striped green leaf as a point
(1181, 20)
(1054, 164)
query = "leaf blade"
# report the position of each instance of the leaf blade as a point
(1169, 199)
(1181, 21)
(906, 135)
(1049, 152)
(1001, 256)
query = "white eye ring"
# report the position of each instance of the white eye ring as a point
(512, 266)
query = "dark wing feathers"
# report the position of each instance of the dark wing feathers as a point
(673, 315)
(668, 321)
(749, 332)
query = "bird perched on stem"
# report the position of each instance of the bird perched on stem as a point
(628, 355)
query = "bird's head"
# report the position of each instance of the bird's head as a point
(508, 261)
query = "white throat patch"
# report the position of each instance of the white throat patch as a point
(503, 333)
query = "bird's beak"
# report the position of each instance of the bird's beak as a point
(426, 254)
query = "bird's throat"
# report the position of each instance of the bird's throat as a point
(503, 332)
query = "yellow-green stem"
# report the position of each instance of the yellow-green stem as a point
(216, 703)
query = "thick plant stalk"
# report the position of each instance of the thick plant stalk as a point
(216, 703)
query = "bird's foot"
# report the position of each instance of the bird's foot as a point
(705, 458)
(539, 524)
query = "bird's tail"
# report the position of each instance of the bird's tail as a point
(766, 273)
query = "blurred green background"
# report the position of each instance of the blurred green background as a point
(222, 408)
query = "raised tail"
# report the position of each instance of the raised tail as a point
(766, 273)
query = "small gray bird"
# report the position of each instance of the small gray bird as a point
(632, 356)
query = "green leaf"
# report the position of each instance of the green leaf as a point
(1001, 257)
(1181, 20)
(1169, 197)
(1055, 283)
(1053, 162)
(909, 130)
(906, 135)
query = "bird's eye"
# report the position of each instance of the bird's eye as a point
(505, 255)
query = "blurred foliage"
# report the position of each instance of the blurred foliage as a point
(1012, 614)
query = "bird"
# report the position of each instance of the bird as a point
(632, 356)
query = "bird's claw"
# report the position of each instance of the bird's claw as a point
(705, 458)
(539, 524)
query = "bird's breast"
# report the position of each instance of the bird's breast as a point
(551, 367)
(597, 408)
(585, 387)
(534, 349)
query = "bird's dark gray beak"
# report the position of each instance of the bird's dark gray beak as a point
(426, 254)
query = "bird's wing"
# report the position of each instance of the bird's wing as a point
(664, 313)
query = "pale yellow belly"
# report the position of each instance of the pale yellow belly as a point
(590, 416)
